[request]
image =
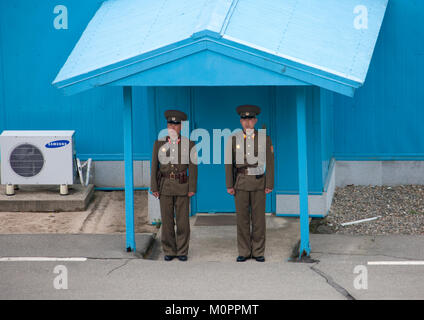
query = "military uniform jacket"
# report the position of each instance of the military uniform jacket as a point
(243, 181)
(178, 160)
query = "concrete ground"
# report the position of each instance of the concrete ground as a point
(104, 214)
(345, 267)
(219, 243)
(91, 246)
(339, 255)
(111, 273)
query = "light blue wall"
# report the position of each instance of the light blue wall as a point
(31, 55)
(286, 135)
(32, 52)
(384, 121)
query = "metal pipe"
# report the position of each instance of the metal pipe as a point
(128, 159)
(87, 177)
(302, 171)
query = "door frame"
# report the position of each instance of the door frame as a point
(270, 126)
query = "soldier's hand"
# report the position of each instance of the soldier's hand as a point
(268, 190)
(231, 191)
(190, 194)
(156, 194)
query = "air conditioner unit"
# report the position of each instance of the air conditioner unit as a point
(37, 157)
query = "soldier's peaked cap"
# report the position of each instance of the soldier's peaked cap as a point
(248, 111)
(175, 116)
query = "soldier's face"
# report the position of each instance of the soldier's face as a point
(174, 129)
(248, 123)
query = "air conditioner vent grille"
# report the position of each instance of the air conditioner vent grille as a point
(26, 160)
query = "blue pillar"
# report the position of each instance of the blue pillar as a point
(128, 159)
(302, 168)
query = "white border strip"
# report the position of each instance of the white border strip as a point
(395, 263)
(39, 259)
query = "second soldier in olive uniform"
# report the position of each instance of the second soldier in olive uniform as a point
(174, 181)
(249, 184)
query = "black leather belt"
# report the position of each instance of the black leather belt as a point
(176, 176)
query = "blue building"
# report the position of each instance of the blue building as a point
(355, 69)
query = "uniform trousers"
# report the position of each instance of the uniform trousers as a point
(250, 210)
(175, 243)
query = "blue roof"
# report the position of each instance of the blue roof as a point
(301, 41)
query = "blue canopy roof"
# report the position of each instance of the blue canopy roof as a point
(209, 42)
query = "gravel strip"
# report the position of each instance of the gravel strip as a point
(401, 209)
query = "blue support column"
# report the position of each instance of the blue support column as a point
(303, 173)
(128, 159)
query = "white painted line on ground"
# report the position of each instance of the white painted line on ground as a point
(396, 263)
(40, 259)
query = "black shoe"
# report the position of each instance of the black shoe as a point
(259, 259)
(182, 258)
(242, 259)
(169, 258)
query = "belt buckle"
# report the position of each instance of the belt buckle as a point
(172, 176)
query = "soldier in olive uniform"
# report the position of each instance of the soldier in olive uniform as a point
(249, 182)
(174, 181)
